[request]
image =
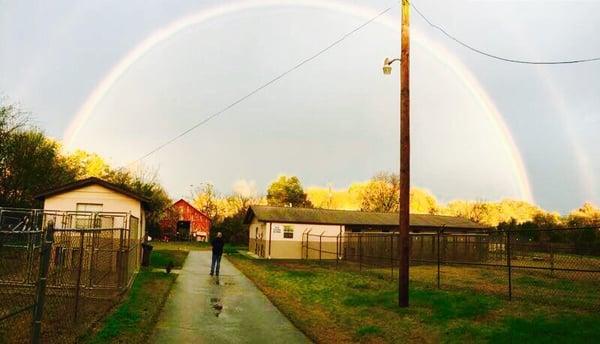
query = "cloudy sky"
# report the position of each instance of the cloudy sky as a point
(122, 77)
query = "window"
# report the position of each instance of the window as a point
(288, 232)
(85, 215)
(89, 207)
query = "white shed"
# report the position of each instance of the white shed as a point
(97, 196)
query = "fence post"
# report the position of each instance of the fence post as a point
(302, 247)
(359, 251)
(551, 257)
(508, 263)
(92, 256)
(337, 249)
(40, 294)
(79, 271)
(307, 244)
(392, 253)
(439, 232)
(320, 245)
(121, 254)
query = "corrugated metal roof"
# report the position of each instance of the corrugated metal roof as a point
(349, 217)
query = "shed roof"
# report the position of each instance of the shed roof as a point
(350, 217)
(91, 181)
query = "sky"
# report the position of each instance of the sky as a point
(481, 129)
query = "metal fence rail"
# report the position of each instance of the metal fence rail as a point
(319, 246)
(90, 261)
(547, 265)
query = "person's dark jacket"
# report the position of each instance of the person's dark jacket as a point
(217, 245)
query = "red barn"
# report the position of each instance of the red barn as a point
(185, 222)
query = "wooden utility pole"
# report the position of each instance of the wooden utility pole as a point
(404, 155)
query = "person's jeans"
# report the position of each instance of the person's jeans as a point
(216, 263)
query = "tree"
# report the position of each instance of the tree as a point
(422, 202)
(329, 198)
(30, 163)
(547, 220)
(208, 201)
(587, 215)
(89, 165)
(147, 185)
(381, 193)
(287, 191)
(233, 228)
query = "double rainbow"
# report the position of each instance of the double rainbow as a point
(439, 52)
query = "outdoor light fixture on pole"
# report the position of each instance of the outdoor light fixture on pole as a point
(387, 65)
(403, 245)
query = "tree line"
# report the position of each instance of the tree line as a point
(31, 163)
(382, 191)
(380, 194)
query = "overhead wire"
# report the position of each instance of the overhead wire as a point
(261, 87)
(335, 43)
(497, 57)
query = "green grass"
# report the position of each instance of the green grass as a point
(538, 329)
(134, 319)
(160, 258)
(342, 305)
(194, 246)
(181, 245)
(368, 330)
(233, 249)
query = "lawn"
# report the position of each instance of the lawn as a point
(161, 258)
(134, 319)
(180, 245)
(342, 305)
(193, 246)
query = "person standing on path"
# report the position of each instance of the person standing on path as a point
(217, 251)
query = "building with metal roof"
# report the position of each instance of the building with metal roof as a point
(278, 232)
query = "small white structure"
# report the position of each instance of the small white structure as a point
(94, 195)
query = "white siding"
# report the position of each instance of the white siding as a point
(110, 200)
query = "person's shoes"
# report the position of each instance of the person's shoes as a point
(212, 274)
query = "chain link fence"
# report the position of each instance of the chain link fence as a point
(20, 243)
(90, 261)
(550, 266)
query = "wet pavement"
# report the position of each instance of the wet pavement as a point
(227, 309)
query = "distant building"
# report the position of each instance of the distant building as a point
(278, 232)
(183, 221)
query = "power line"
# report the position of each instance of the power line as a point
(505, 59)
(268, 83)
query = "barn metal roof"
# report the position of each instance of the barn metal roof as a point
(350, 217)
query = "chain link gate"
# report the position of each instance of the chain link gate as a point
(62, 271)
(24, 262)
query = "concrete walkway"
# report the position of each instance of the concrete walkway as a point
(230, 309)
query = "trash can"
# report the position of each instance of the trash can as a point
(146, 251)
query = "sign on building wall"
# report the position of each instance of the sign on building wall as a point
(276, 229)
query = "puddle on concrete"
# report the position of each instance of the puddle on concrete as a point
(218, 281)
(217, 305)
